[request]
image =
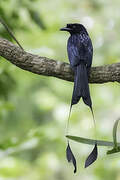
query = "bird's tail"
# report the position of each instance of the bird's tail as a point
(81, 90)
(81, 87)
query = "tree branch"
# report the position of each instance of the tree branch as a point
(49, 67)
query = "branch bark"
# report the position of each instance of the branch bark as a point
(49, 67)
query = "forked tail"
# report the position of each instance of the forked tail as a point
(81, 87)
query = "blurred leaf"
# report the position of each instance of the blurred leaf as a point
(37, 18)
(115, 132)
(7, 83)
(116, 148)
(91, 141)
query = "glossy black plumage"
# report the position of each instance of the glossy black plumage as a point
(80, 53)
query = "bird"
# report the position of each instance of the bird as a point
(80, 55)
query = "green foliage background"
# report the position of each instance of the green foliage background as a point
(34, 109)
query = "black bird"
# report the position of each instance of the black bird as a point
(80, 53)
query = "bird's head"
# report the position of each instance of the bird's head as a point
(74, 28)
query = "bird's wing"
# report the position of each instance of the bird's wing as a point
(80, 50)
(89, 52)
(73, 55)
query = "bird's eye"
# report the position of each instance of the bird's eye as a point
(74, 26)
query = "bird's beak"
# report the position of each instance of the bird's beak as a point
(65, 29)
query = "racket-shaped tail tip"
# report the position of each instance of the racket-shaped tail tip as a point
(70, 157)
(92, 157)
